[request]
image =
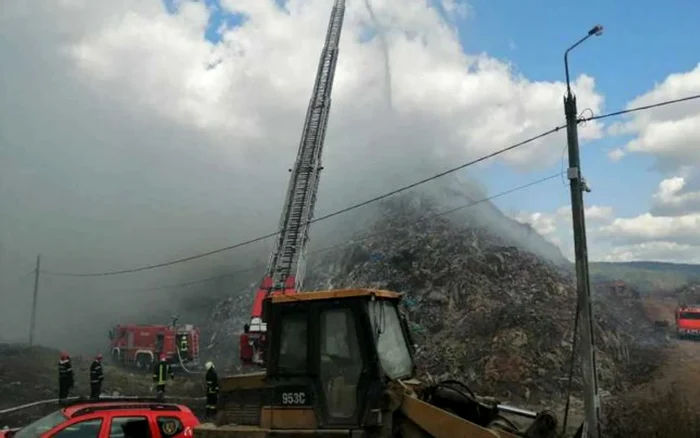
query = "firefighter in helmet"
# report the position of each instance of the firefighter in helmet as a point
(212, 380)
(96, 377)
(184, 347)
(65, 377)
(161, 371)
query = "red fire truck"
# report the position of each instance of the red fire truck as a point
(688, 322)
(141, 345)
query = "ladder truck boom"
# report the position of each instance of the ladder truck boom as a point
(287, 264)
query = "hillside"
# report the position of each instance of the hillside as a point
(647, 277)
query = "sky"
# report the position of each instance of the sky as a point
(140, 131)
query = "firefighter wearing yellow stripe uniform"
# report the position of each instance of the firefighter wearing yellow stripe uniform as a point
(160, 375)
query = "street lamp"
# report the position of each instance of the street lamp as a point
(596, 30)
(578, 185)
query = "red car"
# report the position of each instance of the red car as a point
(112, 419)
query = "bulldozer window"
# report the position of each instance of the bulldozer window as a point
(392, 347)
(293, 343)
(341, 362)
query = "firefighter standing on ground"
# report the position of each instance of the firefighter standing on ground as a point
(96, 377)
(160, 375)
(65, 377)
(212, 380)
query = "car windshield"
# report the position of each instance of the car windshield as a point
(41, 425)
(690, 315)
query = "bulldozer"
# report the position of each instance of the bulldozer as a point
(340, 363)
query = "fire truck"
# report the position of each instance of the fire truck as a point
(141, 345)
(688, 321)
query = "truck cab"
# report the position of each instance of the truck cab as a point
(688, 322)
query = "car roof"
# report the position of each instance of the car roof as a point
(84, 408)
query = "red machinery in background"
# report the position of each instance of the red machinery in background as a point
(140, 345)
(688, 321)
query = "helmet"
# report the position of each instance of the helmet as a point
(209, 365)
(98, 357)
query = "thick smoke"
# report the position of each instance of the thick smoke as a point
(128, 139)
(385, 53)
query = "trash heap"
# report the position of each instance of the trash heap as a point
(481, 310)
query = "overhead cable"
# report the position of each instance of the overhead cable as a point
(354, 239)
(376, 198)
(318, 219)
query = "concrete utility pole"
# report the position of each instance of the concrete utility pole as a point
(578, 185)
(36, 293)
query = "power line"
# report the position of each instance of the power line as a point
(376, 198)
(356, 239)
(318, 219)
(639, 108)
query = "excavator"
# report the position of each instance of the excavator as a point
(340, 363)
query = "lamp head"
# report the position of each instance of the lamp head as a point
(597, 30)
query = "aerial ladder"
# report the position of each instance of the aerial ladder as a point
(287, 264)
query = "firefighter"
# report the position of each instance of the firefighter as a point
(65, 377)
(212, 380)
(184, 347)
(246, 349)
(96, 377)
(160, 375)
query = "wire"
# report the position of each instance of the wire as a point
(639, 108)
(354, 239)
(377, 198)
(321, 218)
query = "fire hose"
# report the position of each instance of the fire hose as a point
(182, 364)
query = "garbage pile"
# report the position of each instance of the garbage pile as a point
(481, 310)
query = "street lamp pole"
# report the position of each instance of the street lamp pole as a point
(578, 185)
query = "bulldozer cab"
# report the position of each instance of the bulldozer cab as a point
(332, 350)
(329, 356)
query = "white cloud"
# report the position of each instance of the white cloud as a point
(670, 133)
(557, 228)
(616, 154)
(671, 236)
(653, 251)
(672, 199)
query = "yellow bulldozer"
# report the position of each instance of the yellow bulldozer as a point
(340, 364)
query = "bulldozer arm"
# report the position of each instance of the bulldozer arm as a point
(450, 409)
